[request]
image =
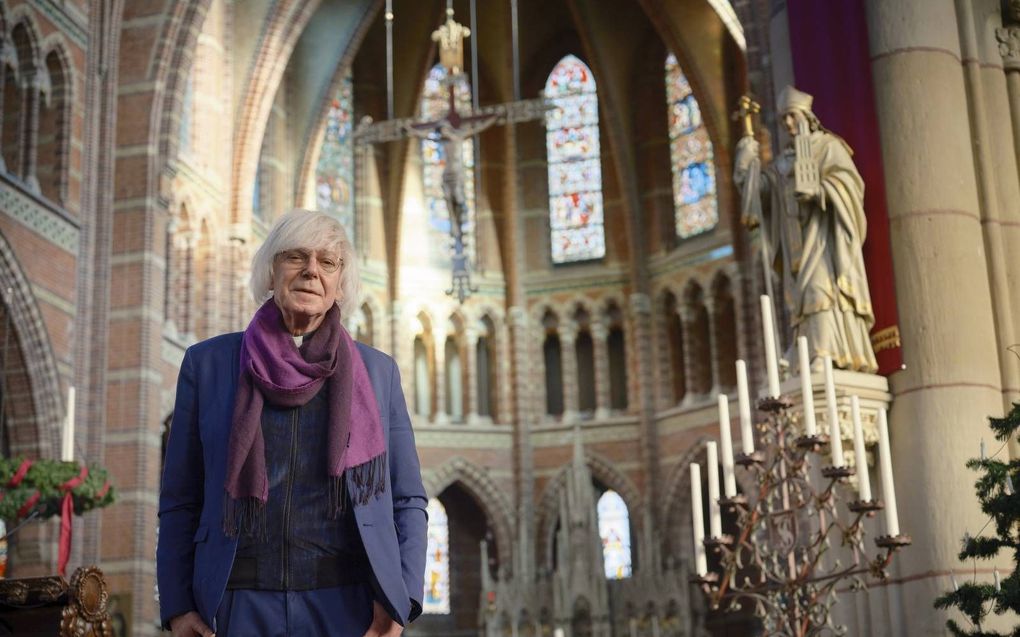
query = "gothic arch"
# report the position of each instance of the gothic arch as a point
(56, 43)
(490, 497)
(24, 17)
(603, 470)
(317, 125)
(173, 58)
(376, 318)
(56, 121)
(40, 365)
(283, 26)
(677, 498)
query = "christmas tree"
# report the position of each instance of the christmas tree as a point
(999, 501)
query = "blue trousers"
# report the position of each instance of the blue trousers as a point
(344, 611)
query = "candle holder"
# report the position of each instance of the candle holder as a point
(779, 561)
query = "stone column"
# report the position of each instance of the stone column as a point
(568, 365)
(439, 374)
(687, 319)
(662, 352)
(600, 345)
(1009, 48)
(713, 343)
(950, 384)
(471, 360)
(998, 191)
(30, 130)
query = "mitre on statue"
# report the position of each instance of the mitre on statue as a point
(790, 99)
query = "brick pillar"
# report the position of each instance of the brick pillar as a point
(568, 367)
(471, 386)
(599, 338)
(30, 130)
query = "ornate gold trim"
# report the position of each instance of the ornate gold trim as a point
(886, 338)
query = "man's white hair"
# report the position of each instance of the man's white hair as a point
(307, 230)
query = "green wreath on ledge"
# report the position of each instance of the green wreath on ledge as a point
(45, 478)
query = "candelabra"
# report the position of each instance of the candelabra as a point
(781, 561)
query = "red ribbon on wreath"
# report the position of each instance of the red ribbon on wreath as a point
(20, 474)
(29, 503)
(66, 512)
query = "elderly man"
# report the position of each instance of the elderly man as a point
(292, 501)
(813, 212)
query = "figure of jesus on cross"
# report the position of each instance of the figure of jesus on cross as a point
(449, 132)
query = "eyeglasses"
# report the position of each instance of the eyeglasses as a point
(301, 258)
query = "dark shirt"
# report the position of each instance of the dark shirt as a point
(303, 547)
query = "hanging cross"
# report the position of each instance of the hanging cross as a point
(450, 131)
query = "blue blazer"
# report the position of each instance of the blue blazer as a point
(193, 554)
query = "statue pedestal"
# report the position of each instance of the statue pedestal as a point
(871, 389)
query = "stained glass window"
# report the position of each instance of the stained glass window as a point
(437, 561)
(435, 102)
(334, 174)
(694, 199)
(614, 529)
(574, 158)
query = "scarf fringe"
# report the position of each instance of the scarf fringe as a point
(245, 516)
(369, 479)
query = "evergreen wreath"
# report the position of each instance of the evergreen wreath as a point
(28, 486)
(1000, 501)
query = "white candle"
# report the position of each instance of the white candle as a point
(698, 520)
(729, 479)
(863, 480)
(835, 433)
(952, 579)
(67, 446)
(558, 632)
(805, 387)
(892, 518)
(998, 583)
(771, 360)
(714, 517)
(744, 407)
(983, 454)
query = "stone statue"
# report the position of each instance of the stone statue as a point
(810, 202)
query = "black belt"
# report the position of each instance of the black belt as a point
(330, 571)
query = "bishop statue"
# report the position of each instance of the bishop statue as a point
(810, 204)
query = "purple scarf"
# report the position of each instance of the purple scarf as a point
(274, 371)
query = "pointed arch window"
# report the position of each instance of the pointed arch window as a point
(614, 529)
(574, 163)
(437, 561)
(690, 149)
(334, 173)
(435, 102)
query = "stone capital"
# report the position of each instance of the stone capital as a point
(517, 316)
(641, 303)
(1009, 46)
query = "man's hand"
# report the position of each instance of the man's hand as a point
(382, 624)
(190, 624)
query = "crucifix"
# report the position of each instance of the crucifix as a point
(450, 131)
